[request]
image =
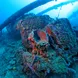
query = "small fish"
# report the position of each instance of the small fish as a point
(42, 35)
(52, 34)
(48, 30)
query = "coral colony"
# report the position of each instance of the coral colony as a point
(39, 47)
(48, 48)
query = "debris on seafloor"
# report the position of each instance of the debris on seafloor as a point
(48, 49)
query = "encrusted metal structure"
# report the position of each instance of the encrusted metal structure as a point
(23, 11)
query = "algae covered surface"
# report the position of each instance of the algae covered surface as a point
(39, 47)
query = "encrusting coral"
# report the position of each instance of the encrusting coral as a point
(46, 49)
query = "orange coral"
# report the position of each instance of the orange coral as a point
(35, 49)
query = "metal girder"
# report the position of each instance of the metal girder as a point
(23, 11)
(56, 6)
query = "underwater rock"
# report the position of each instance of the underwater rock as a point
(65, 35)
(40, 59)
(53, 62)
(43, 65)
(61, 29)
